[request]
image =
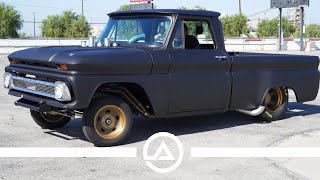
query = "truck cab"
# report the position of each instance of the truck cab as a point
(188, 45)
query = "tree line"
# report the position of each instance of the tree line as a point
(65, 25)
(71, 25)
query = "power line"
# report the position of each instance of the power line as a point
(38, 6)
(260, 12)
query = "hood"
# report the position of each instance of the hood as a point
(102, 60)
(41, 55)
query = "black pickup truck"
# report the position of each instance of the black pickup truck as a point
(158, 63)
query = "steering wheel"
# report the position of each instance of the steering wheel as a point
(137, 38)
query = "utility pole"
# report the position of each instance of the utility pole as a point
(301, 28)
(82, 8)
(240, 7)
(280, 29)
(34, 24)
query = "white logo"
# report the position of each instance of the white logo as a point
(163, 149)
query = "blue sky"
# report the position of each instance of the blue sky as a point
(96, 10)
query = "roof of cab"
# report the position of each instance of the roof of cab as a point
(166, 11)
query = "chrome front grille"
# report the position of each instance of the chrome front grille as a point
(34, 86)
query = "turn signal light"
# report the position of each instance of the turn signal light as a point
(62, 66)
(13, 61)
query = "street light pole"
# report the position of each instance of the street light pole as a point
(240, 7)
(34, 24)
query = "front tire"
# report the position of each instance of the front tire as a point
(276, 103)
(107, 121)
(49, 121)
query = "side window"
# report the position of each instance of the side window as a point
(197, 35)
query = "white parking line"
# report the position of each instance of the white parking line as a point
(201, 152)
(111, 152)
(196, 152)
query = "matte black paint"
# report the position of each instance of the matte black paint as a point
(177, 82)
(253, 75)
(104, 60)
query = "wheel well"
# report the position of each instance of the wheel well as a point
(289, 88)
(132, 93)
(294, 92)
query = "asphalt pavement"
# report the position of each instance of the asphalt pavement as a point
(300, 128)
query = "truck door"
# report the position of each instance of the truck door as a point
(199, 74)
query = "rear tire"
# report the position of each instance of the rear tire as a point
(49, 121)
(107, 121)
(276, 103)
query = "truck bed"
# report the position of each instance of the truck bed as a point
(253, 73)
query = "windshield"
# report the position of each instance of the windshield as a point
(149, 31)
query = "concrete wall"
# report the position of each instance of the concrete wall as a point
(11, 45)
(270, 44)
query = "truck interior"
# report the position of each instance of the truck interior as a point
(197, 35)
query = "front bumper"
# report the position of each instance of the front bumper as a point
(40, 103)
(36, 106)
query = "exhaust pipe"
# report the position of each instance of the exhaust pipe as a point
(255, 112)
(83, 43)
(107, 42)
(92, 41)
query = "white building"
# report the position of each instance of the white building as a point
(96, 30)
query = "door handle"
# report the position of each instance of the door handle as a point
(221, 58)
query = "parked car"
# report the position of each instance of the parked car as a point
(154, 64)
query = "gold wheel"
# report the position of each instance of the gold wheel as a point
(49, 120)
(110, 122)
(273, 99)
(51, 117)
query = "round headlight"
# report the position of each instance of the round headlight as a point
(58, 91)
(61, 91)
(6, 80)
